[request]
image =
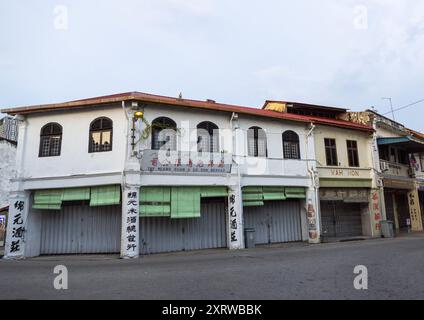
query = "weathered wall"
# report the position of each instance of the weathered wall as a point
(7, 169)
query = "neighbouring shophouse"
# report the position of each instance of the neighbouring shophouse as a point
(8, 140)
(396, 150)
(349, 194)
(417, 164)
(136, 173)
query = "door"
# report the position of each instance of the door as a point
(275, 222)
(167, 235)
(340, 219)
(402, 206)
(81, 229)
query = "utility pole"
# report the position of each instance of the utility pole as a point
(391, 107)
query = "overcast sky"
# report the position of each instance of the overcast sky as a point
(332, 52)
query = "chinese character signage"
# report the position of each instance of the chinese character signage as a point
(130, 223)
(185, 162)
(234, 216)
(16, 229)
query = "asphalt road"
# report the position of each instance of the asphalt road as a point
(395, 271)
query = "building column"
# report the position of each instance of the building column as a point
(130, 247)
(376, 211)
(16, 233)
(415, 210)
(235, 229)
(312, 213)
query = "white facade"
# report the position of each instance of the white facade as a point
(76, 167)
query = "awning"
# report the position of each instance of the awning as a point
(105, 195)
(409, 143)
(155, 201)
(48, 199)
(255, 196)
(185, 202)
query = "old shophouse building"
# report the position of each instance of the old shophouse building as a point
(349, 195)
(136, 173)
(396, 150)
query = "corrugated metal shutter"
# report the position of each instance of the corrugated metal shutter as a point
(275, 222)
(81, 229)
(167, 235)
(341, 219)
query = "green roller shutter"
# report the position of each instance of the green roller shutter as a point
(211, 192)
(295, 193)
(75, 194)
(155, 201)
(185, 202)
(48, 199)
(105, 195)
(274, 193)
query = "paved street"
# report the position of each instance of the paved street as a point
(299, 271)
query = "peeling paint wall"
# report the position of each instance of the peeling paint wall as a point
(7, 169)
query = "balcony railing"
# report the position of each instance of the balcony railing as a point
(395, 169)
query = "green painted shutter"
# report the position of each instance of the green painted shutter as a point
(48, 199)
(155, 201)
(253, 196)
(185, 202)
(274, 193)
(295, 193)
(211, 192)
(75, 194)
(105, 195)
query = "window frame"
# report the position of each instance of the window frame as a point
(291, 142)
(331, 149)
(213, 131)
(50, 135)
(101, 130)
(353, 154)
(256, 131)
(173, 126)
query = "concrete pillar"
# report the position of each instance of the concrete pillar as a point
(415, 210)
(313, 216)
(376, 211)
(130, 228)
(17, 226)
(235, 234)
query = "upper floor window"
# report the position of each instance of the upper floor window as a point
(256, 142)
(352, 153)
(291, 147)
(331, 152)
(207, 137)
(50, 140)
(101, 135)
(164, 134)
(403, 156)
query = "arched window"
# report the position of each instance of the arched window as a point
(291, 147)
(256, 142)
(164, 134)
(101, 130)
(207, 137)
(50, 140)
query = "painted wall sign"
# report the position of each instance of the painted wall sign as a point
(185, 162)
(344, 173)
(345, 194)
(414, 211)
(16, 228)
(130, 223)
(234, 223)
(376, 211)
(312, 221)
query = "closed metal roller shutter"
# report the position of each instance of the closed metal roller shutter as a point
(81, 229)
(167, 235)
(340, 219)
(275, 222)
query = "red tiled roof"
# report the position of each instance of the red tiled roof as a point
(206, 105)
